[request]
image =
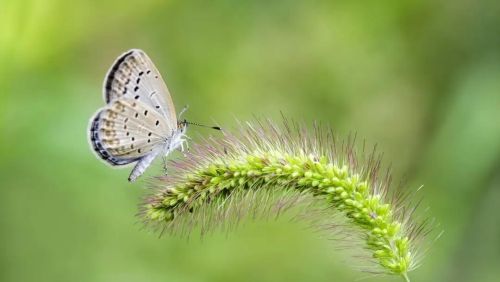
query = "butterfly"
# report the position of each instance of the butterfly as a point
(138, 122)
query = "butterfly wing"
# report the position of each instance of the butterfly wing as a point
(133, 75)
(127, 130)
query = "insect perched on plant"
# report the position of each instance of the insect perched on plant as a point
(139, 121)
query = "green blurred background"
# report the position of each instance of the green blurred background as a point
(420, 78)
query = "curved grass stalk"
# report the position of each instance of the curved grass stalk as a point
(220, 180)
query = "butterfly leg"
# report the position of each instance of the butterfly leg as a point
(182, 145)
(182, 149)
(164, 158)
(185, 140)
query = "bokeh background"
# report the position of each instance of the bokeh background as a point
(419, 78)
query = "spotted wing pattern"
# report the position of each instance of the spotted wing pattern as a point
(133, 75)
(127, 130)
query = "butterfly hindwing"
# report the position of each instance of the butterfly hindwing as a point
(133, 75)
(126, 130)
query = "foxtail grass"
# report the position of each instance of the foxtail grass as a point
(265, 170)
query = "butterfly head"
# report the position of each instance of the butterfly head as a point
(182, 126)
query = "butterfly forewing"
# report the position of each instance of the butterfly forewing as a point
(126, 130)
(133, 75)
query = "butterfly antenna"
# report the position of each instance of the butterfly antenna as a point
(186, 107)
(202, 125)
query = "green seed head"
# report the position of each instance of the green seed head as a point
(219, 179)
